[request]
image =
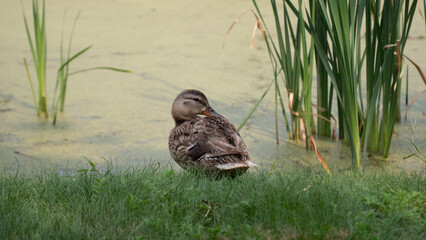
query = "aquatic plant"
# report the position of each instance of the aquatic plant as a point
(424, 11)
(63, 72)
(413, 146)
(336, 29)
(293, 59)
(387, 29)
(343, 65)
(297, 67)
(324, 89)
(38, 50)
(386, 24)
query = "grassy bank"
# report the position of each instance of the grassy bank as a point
(159, 203)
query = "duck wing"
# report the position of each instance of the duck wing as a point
(220, 137)
(209, 141)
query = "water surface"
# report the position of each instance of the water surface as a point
(169, 46)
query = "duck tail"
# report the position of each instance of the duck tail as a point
(237, 165)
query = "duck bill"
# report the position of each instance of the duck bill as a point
(211, 112)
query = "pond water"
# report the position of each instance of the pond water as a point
(169, 46)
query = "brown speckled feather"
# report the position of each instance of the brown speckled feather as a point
(210, 142)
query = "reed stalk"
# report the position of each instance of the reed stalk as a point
(39, 53)
(307, 66)
(291, 54)
(62, 75)
(324, 93)
(31, 84)
(406, 86)
(63, 71)
(343, 23)
(389, 25)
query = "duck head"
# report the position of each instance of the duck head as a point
(189, 104)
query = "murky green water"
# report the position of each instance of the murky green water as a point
(169, 46)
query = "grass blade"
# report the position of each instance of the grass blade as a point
(69, 60)
(255, 107)
(31, 85)
(101, 68)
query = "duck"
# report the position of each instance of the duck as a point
(203, 140)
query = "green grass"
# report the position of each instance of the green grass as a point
(156, 203)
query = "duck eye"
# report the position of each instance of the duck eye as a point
(197, 99)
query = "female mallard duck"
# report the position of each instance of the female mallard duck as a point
(205, 143)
